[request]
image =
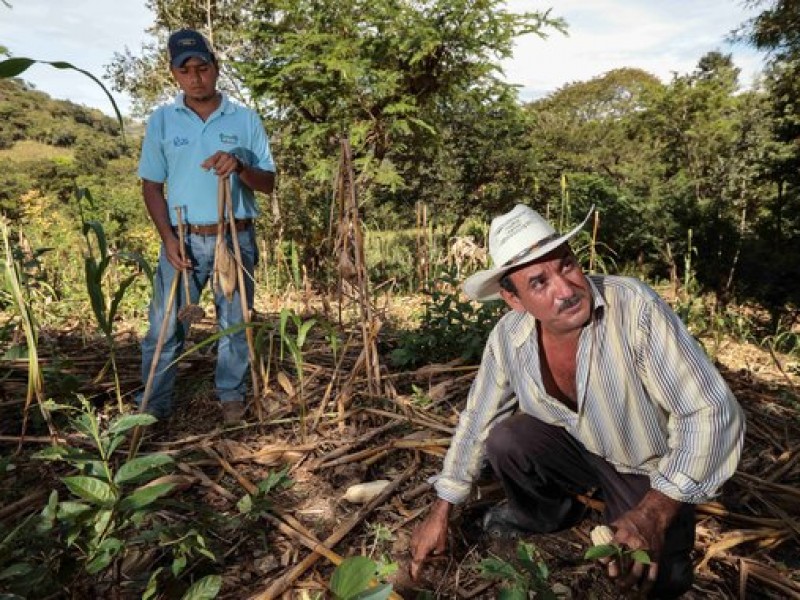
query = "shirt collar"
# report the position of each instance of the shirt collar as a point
(521, 326)
(225, 106)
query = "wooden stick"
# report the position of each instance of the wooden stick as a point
(248, 332)
(23, 505)
(136, 436)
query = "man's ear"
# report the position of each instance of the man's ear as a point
(511, 300)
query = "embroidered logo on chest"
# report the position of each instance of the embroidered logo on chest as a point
(228, 139)
(180, 141)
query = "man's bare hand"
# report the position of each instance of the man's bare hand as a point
(222, 163)
(430, 536)
(644, 527)
(173, 254)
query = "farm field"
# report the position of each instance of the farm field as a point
(746, 542)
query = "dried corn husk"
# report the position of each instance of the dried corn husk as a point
(225, 269)
(362, 493)
(601, 535)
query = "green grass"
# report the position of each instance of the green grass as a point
(29, 150)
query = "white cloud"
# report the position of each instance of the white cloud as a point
(660, 37)
(85, 33)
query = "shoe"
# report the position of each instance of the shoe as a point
(233, 412)
(500, 523)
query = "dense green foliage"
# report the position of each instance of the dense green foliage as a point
(416, 92)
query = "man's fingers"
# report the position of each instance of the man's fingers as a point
(650, 580)
(613, 568)
(414, 569)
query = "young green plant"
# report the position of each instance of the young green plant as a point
(12, 284)
(109, 504)
(530, 575)
(604, 547)
(105, 303)
(294, 345)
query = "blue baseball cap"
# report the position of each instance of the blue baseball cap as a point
(188, 43)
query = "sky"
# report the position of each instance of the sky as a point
(663, 37)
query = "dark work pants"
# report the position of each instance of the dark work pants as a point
(541, 467)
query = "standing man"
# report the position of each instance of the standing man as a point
(611, 392)
(187, 146)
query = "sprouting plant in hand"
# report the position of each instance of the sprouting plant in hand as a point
(604, 547)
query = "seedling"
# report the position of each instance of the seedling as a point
(604, 547)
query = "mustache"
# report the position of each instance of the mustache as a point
(568, 303)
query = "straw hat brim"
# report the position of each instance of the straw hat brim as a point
(484, 286)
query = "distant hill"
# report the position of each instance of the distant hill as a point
(46, 144)
(28, 114)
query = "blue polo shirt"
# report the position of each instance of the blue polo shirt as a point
(177, 141)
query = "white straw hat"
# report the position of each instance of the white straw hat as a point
(515, 238)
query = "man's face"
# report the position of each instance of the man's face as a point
(554, 290)
(197, 79)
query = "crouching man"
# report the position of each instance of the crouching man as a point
(609, 391)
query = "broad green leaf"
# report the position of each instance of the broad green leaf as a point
(14, 66)
(115, 443)
(102, 518)
(90, 488)
(73, 455)
(15, 570)
(49, 513)
(70, 510)
(87, 424)
(178, 565)
(205, 589)
(352, 577)
(104, 554)
(126, 422)
(601, 551)
(641, 556)
(144, 496)
(245, 505)
(140, 465)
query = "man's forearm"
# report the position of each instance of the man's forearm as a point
(440, 509)
(257, 179)
(157, 208)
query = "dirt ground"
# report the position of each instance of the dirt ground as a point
(747, 541)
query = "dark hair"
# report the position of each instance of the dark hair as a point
(506, 283)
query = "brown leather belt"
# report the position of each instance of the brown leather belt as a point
(241, 225)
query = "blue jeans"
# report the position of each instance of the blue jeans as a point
(232, 353)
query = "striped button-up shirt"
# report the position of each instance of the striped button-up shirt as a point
(649, 400)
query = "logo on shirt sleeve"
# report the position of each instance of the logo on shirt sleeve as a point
(228, 139)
